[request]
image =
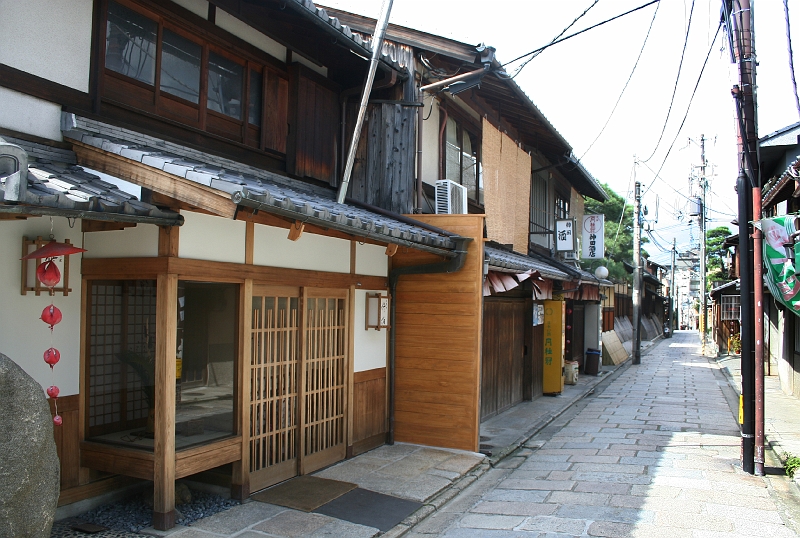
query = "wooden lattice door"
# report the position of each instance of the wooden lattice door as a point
(324, 371)
(297, 427)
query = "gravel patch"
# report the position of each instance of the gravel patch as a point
(126, 518)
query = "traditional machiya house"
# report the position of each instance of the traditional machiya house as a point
(229, 321)
(482, 138)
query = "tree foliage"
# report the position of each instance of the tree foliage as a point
(715, 254)
(618, 235)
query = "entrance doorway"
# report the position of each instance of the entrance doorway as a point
(298, 382)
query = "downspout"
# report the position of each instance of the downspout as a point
(420, 119)
(450, 266)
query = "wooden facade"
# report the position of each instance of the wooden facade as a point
(505, 352)
(438, 331)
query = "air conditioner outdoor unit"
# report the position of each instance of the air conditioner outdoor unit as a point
(570, 255)
(451, 198)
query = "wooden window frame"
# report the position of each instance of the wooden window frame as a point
(463, 125)
(163, 104)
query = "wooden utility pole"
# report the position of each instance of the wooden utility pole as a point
(672, 288)
(704, 283)
(636, 351)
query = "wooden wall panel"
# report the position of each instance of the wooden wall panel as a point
(369, 409)
(438, 334)
(67, 437)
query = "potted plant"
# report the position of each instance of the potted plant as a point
(735, 343)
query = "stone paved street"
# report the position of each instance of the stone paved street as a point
(654, 453)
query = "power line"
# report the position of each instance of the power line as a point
(580, 32)
(675, 87)
(646, 37)
(688, 108)
(579, 17)
(791, 56)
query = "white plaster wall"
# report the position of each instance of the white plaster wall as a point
(206, 237)
(591, 337)
(231, 24)
(26, 114)
(371, 260)
(311, 65)
(48, 38)
(430, 142)
(23, 336)
(370, 346)
(140, 241)
(198, 7)
(312, 252)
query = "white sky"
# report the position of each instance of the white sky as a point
(576, 84)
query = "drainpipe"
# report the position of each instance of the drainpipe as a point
(377, 46)
(450, 266)
(420, 119)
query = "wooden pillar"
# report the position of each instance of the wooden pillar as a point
(240, 479)
(164, 452)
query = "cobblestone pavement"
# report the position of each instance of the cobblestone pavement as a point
(655, 454)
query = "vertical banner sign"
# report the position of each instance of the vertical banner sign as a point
(781, 275)
(553, 367)
(565, 235)
(592, 244)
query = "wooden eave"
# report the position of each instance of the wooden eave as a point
(181, 189)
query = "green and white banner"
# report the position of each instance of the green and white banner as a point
(781, 274)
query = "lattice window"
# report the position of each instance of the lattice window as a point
(731, 307)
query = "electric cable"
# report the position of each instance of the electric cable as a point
(635, 65)
(688, 108)
(675, 87)
(579, 17)
(580, 32)
(791, 56)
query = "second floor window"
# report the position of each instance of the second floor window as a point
(461, 163)
(562, 207)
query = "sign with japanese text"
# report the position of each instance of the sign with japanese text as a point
(592, 244)
(553, 341)
(565, 235)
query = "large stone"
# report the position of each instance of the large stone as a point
(29, 465)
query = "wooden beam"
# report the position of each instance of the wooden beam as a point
(168, 237)
(181, 189)
(296, 230)
(240, 476)
(104, 226)
(249, 242)
(391, 249)
(164, 449)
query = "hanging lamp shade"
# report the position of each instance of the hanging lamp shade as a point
(52, 250)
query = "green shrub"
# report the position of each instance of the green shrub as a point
(790, 464)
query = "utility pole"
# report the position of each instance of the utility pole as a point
(703, 284)
(672, 287)
(739, 22)
(636, 352)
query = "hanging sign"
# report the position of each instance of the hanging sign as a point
(592, 244)
(780, 270)
(565, 235)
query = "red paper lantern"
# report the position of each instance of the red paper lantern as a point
(57, 420)
(51, 315)
(569, 327)
(48, 274)
(52, 391)
(52, 356)
(567, 342)
(53, 249)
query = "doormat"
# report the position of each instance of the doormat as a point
(369, 508)
(304, 493)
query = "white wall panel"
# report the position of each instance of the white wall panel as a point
(23, 336)
(206, 237)
(312, 252)
(430, 143)
(231, 24)
(370, 346)
(371, 260)
(48, 38)
(26, 114)
(198, 7)
(140, 241)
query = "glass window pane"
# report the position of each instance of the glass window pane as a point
(254, 108)
(131, 44)
(452, 152)
(180, 67)
(469, 167)
(224, 86)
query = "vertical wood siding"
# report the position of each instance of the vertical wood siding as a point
(438, 331)
(369, 413)
(503, 355)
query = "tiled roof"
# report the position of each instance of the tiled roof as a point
(590, 278)
(57, 186)
(258, 188)
(503, 259)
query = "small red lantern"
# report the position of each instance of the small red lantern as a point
(57, 420)
(51, 315)
(567, 342)
(48, 274)
(52, 356)
(569, 311)
(569, 327)
(52, 391)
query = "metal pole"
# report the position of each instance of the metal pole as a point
(673, 303)
(704, 284)
(758, 300)
(377, 47)
(636, 352)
